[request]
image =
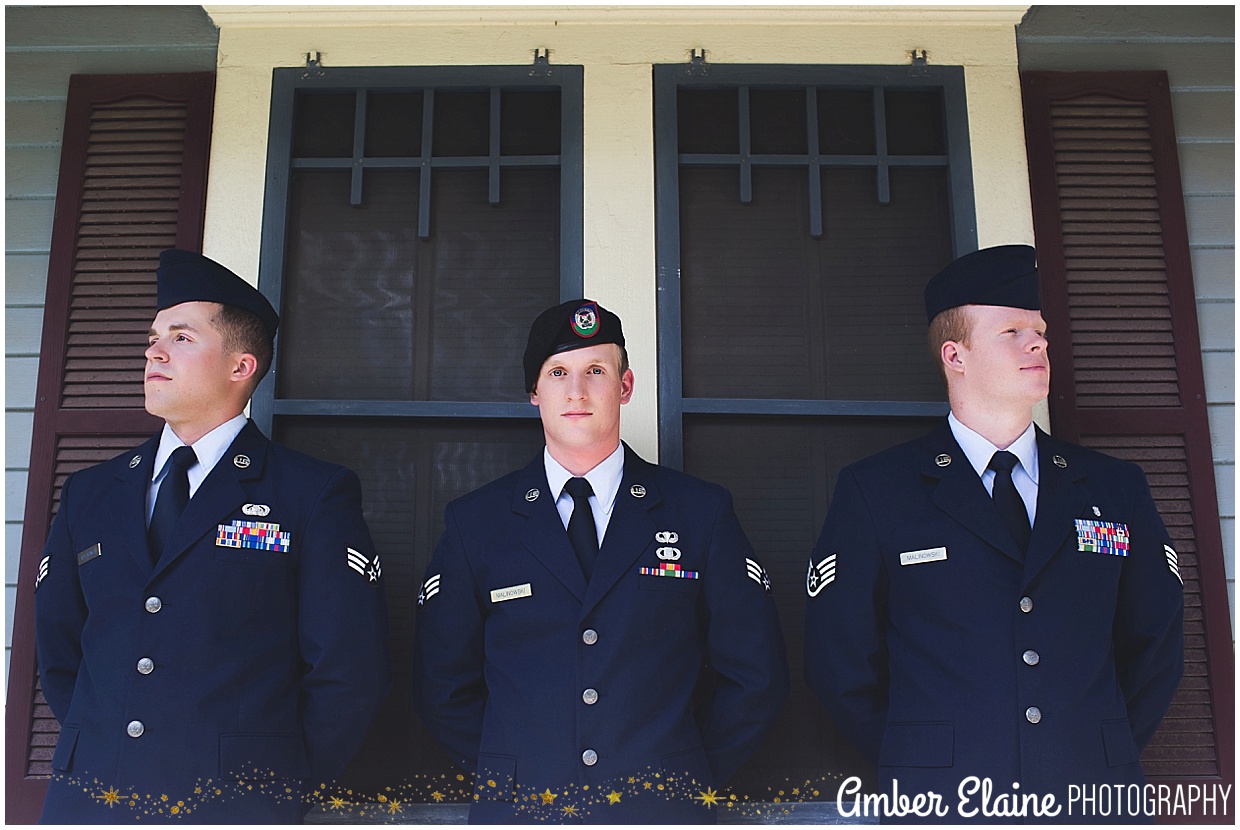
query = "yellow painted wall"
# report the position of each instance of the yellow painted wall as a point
(617, 46)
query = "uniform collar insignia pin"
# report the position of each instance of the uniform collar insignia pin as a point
(638, 491)
(1060, 461)
(135, 461)
(943, 459)
(532, 495)
(241, 461)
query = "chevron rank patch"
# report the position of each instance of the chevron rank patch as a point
(255, 535)
(1102, 537)
(369, 568)
(820, 575)
(43, 563)
(758, 574)
(673, 570)
(1173, 562)
(429, 588)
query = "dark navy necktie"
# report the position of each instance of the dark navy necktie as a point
(1007, 500)
(581, 530)
(171, 501)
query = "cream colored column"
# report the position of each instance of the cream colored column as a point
(620, 228)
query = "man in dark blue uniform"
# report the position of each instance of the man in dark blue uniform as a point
(596, 638)
(212, 633)
(988, 602)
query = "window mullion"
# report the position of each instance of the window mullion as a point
(880, 146)
(359, 148)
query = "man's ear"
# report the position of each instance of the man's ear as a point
(244, 367)
(626, 386)
(953, 354)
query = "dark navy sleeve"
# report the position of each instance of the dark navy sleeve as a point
(342, 628)
(1149, 617)
(449, 689)
(744, 647)
(845, 650)
(60, 611)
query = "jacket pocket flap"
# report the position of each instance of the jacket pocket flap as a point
(927, 744)
(262, 755)
(1118, 742)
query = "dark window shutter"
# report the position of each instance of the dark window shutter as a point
(1117, 294)
(133, 172)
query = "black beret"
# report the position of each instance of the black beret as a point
(187, 277)
(1005, 275)
(571, 325)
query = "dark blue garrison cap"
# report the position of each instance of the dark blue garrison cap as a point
(571, 325)
(1005, 275)
(187, 277)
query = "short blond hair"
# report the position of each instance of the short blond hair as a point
(952, 324)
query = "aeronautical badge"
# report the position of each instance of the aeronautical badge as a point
(668, 554)
(429, 588)
(820, 575)
(758, 574)
(1173, 562)
(253, 535)
(369, 568)
(667, 537)
(43, 563)
(255, 509)
(585, 320)
(1102, 537)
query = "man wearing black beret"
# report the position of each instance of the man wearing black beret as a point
(596, 638)
(212, 633)
(993, 612)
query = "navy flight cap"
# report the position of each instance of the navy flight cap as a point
(187, 277)
(571, 325)
(1006, 275)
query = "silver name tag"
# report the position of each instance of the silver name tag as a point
(515, 592)
(916, 557)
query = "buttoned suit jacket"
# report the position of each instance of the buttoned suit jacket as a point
(933, 665)
(268, 666)
(689, 672)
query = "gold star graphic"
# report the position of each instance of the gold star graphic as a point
(394, 807)
(796, 791)
(709, 799)
(613, 797)
(437, 795)
(110, 797)
(570, 810)
(632, 780)
(646, 785)
(548, 797)
(337, 802)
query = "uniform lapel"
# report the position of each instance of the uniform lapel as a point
(544, 535)
(1061, 500)
(961, 494)
(135, 482)
(220, 494)
(630, 531)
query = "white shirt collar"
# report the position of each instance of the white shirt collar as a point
(979, 449)
(604, 478)
(210, 448)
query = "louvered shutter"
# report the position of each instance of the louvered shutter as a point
(132, 182)
(1117, 294)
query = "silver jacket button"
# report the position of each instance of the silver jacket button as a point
(135, 729)
(146, 665)
(590, 696)
(1030, 657)
(153, 604)
(589, 636)
(1026, 604)
(589, 757)
(1033, 714)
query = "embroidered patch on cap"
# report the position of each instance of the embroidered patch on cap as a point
(673, 570)
(255, 535)
(1102, 537)
(585, 320)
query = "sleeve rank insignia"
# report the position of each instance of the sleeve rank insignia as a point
(429, 588)
(758, 574)
(369, 568)
(1173, 562)
(820, 576)
(43, 564)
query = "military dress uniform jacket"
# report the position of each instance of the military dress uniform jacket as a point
(545, 684)
(247, 660)
(941, 654)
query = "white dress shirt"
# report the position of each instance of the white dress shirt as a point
(604, 481)
(210, 448)
(979, 450)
